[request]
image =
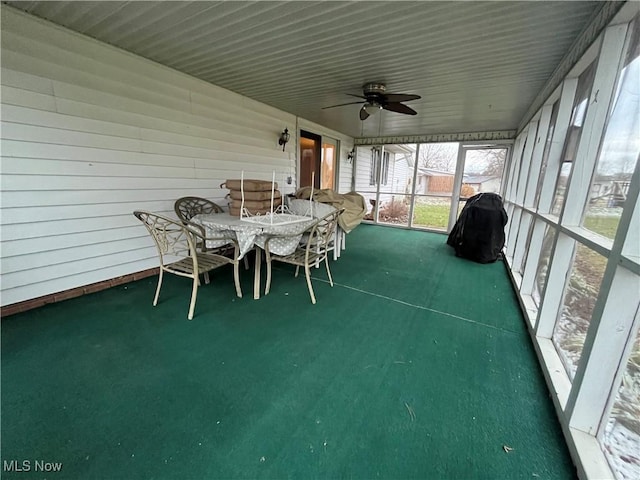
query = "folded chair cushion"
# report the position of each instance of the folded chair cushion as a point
(257, 196)
(256, 204)
(249, 185)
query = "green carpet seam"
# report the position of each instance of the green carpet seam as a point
(420, 307)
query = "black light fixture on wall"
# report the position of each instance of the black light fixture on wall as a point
(284, 138)
(351, 155)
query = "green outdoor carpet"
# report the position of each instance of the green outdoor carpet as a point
(416, 364)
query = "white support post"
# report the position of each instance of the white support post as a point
(518, 195)
(557, 144)
(457, 187)
(522, 243)
(514, 165)
(601, 357)
(513, 231)
(610, 327)
(557, 276)
(412, 204)
(531, 265)
(526, 162)
(631, 248)
(536, 156)
(516, 160)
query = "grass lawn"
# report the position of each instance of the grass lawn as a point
(605, 226)
(436, 216)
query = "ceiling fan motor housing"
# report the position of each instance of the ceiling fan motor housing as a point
(374, 90)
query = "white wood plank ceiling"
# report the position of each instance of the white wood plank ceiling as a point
(477, 65)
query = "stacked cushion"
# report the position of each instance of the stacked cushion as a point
(257, 196)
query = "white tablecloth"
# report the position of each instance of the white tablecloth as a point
(249, 234)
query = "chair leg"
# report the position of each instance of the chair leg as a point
(236, 279)
(155, 299)
(326, 264)
(246, 263)
(307, 272)
(206, 278)
(297, 269)
(267, 287)
(194, 293)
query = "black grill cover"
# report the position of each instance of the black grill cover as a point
(479, 232)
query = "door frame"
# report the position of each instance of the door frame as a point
(319, 152)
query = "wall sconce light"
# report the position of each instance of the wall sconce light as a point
(284, 138)
(351, 155)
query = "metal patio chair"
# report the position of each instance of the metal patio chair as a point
(176, 244)
(315, 250)
(188, 207)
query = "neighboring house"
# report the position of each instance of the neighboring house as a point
(438, 182)
(610, 191)
(482, 183)
(434, 182)
(393, 166)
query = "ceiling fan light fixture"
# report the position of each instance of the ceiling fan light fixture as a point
(371, 108)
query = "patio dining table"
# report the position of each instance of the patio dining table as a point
(252, 232)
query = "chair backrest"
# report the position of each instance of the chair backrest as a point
(171, 237)
(321, 210)
(313, 209)
(322, 233)
(188, 207)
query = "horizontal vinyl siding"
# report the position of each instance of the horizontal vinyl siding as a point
(91, 133)
(363, 170)
(346, 172)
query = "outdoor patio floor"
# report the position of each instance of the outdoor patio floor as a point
(416, 364)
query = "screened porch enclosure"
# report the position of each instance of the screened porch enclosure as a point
(425, 185)
(573, 246)
(417, 364)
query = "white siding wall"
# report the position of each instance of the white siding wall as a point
(400, 172)
(90, 133)
(363, 170)
(345, 172)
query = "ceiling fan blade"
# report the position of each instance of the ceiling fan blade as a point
(341, 105)
(363, 113)
(399, 108)
(400, 97)
(359, 96)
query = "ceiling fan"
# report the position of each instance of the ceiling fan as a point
(376, 99)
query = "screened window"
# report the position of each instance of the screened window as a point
(581, 293)
(435, 175)
(543, 265)
(547, 148)
(578, 114)
(565, 271)
(620, 149)
(622, 431)
(526, 219)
